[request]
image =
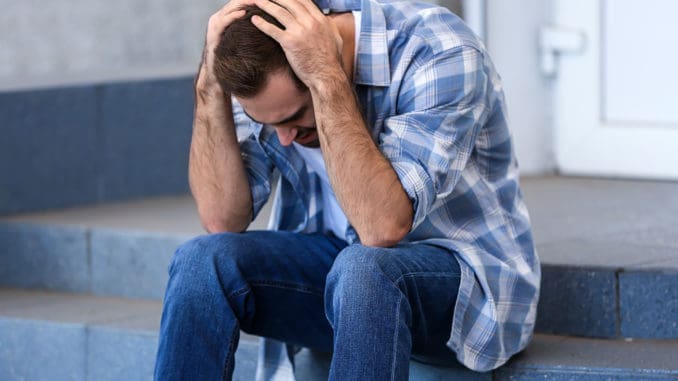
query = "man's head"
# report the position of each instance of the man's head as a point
(253, 67)
(245, 56)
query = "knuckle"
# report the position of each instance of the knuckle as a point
(213, 21)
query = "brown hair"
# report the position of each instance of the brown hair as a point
(246, 56)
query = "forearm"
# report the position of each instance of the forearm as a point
(216, 172)
(366, 185)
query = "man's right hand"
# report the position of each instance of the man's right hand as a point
(215, 27)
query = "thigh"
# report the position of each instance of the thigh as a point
(284, 276)
(429, 278)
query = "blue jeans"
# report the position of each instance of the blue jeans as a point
(373, 308)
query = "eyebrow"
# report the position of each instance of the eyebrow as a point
(297, 114)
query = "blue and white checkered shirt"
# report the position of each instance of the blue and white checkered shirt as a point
(435, 107)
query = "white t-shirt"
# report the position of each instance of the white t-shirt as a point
(357, 15)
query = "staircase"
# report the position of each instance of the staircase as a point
(90, 222)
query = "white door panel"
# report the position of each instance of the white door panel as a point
(616, 111)
(640, 64)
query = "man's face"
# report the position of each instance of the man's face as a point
(287, 109)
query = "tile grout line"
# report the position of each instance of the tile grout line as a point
(617, 303)
(100, 158)
(88, 251)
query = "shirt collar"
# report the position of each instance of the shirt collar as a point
(373, 66)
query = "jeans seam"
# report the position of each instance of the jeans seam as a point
(424, 273)
(231, 350)
(287, 286)
(397, 281)
(395, 339)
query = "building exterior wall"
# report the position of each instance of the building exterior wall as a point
(67, 41)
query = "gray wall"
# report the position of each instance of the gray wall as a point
(43, 40)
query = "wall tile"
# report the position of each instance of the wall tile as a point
(146, 129)
(48, 148)
(577, 302)
(649, 304)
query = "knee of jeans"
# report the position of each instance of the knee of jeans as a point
(357, 263)
(359, 273)
(202, 259)
(188, 255)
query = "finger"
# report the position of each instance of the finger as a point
(277, 11)
(308, 5)
(267, 28)
(230, 12)
(293, 7)
(228, 18)
(226, 15)
(235, 5)
(218, 22)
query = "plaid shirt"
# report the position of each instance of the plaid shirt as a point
(434, 104)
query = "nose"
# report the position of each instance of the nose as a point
(286, 135)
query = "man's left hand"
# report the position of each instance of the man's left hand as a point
(311, 42)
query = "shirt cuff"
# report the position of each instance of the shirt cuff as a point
(418, 186)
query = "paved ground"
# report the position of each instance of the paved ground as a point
(577, 221)
(608, 223)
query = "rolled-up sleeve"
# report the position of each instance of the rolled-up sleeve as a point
(441, 107)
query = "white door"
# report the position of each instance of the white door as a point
(616, 99)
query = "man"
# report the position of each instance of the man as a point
(398, 227)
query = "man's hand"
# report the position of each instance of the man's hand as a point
(217, 174)
(310, 41)
(215, 27)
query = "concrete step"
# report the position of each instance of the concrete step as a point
(62, 336)
(120, 249)
(609, 270)
(609, 250)
(548, 357)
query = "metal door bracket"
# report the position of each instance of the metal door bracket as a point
(555, 41)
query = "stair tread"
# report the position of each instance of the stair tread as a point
(577, 222)
(608, 223)
(61, 307)
(170, 214)
(610, 260)
(86, 337)
(84, 309)
(545, 351)
(575, 352)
